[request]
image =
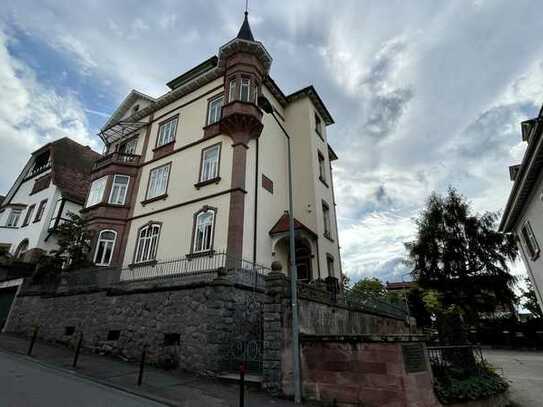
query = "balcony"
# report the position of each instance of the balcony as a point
(117, 158)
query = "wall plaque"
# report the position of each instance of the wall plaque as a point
(414, 358)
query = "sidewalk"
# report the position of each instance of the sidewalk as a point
(177, 388)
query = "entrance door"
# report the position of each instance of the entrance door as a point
(303, 261)
(6, 299)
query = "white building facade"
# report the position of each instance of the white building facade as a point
(52, 184)
(523, 213)
(201, 171)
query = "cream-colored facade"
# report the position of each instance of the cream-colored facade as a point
(248, 194)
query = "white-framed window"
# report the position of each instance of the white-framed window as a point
(232, 90)
(56, 214)
(166, 132)
(96, 193)
(245, 90)
(210, 163)
(13, 217)
(28, 215)
(326, 219)
(104, 247)
(215, 109)
(158, 181)
(147, 243)
(129, 146)
(119, 188)
(529, 240)
(41, 210)
(203, 231)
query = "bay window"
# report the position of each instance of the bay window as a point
(119, 189)
(96, 192)
(245, 90)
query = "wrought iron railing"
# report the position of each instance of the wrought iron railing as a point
(378, 306)
(116, 157)
(461, 358)
(199, 267)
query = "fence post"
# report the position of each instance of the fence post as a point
(77, 349)
(142, 363)
(33, 340)
(242, 384)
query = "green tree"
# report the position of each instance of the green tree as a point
(462, 256)
(529, 299)
(367, 287)
(73, 240)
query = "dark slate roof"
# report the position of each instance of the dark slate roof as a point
(71, 168)
(245, 30)
(282, 225)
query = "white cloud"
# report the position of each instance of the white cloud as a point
(32, 115)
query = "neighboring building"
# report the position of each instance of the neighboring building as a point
(201, 170)
(523, 213)
(54, 182)
(400, 286)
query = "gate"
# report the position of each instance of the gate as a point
(244, 344)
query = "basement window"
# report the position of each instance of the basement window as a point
(113, 335)
(172, 339)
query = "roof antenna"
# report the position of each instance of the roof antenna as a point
(246, 7)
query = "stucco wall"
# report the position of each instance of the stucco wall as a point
(533, 212)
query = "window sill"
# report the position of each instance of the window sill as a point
(321, 179)
(535, 256)
(328, 236)
(143, 264)
(200, 254)
(201, 184)
(156, 198)
(9, 227)
(168, 144)
(163, 150)
(87, 208)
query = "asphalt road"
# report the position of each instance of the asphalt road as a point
(24, 383)
(525, 371)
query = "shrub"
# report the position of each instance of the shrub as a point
(455, 387)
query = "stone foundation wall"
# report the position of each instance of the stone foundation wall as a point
(201, 314)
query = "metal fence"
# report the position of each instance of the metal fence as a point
(199, 268)
(378, 306)
(463, 359)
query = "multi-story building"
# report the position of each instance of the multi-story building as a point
(53, 182)
(523, 214)
(202, 170)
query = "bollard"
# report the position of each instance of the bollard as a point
(242, 384)
(142, 363)
(77, 349)
(32, 340)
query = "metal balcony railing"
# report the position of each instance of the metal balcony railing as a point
(116, 158)
(202, 267)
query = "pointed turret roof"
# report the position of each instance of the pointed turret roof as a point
(245, 30)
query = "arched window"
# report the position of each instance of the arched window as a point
(22, 248)
(147, 243)
(104, 247)
(204, 225)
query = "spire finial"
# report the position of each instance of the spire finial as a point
(246, 7)
(245, 30)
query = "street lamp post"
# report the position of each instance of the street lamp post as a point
(267, 107)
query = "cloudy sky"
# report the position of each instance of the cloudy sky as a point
(425, 94)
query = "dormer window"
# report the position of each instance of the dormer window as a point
(135, 108)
